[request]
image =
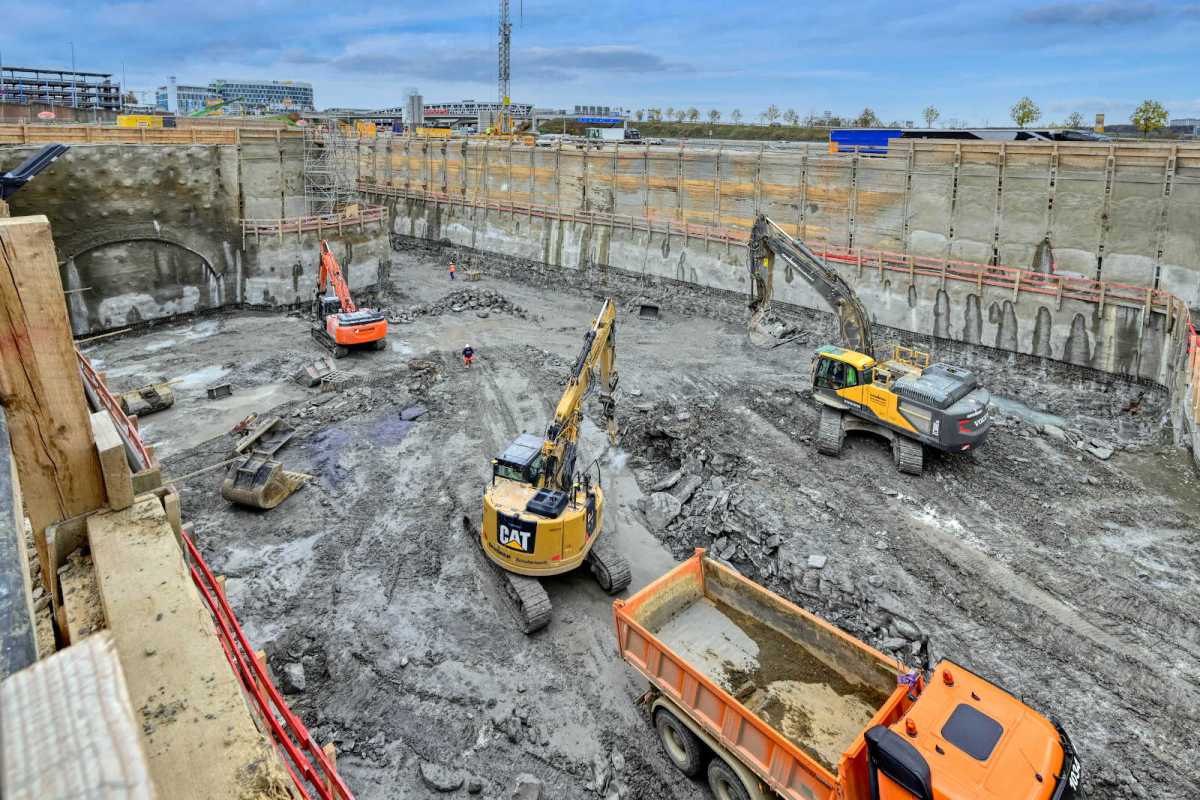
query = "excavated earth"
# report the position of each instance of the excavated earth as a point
(1059, 560)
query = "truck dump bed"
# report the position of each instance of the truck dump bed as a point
(784, 691)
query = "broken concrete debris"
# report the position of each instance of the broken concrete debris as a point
(481, 301)
(441, 778)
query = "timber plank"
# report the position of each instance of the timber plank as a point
(118, 477)
(198, 731)
(40, 386)
(95, 753)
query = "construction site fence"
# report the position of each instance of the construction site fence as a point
(311, 768)
(316, 223)
(104, 134)
(1060, 287)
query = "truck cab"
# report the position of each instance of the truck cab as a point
(967, 738)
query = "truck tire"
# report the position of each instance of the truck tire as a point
(724, 782)
(909, 455)
(681, 745)
(340, 352)
(829, 432)
(381, 344)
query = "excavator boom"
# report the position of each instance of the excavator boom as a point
(768, 241)
(331, 273)
(599, 350)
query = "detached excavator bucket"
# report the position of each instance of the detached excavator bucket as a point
(259, 482)
(148, 399)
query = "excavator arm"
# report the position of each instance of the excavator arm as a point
(331, 273)
(768, 241)
(598, 354)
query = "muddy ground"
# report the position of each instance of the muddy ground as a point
(1066, 578)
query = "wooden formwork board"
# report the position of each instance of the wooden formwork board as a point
(199, 734)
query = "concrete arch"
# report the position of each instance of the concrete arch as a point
(74, 247)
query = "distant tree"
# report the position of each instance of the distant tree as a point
(867, 119)
(771, 114)
(639, 115)
(1024, 111)
(931, 115)
(654, 114)
(714, 116)
(954, 123)
(1075, 120)
(693, 115)
(736, 116)
(791, 117)
(680, 114)
(1149, 116)
(670, 112)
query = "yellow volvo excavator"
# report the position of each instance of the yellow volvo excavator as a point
(903, 397)
(542, 516)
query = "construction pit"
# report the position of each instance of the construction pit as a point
(1058, 560)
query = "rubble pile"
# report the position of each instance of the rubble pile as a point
(481, 302)
(712, 494)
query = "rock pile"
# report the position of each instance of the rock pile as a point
(481, 302)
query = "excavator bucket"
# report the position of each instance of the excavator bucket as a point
(259, 482)
(148, 399)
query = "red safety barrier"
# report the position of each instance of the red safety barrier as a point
(291, 737)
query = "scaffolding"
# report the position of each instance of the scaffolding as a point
(330, 167)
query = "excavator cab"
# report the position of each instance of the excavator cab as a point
(521, 461)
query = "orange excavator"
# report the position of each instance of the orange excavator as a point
(338, 324)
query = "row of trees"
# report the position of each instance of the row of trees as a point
(771, 115)
(1148, 117)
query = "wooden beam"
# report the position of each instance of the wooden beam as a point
(40, 386)
(200, 737)
(118, 477)
(97, 753)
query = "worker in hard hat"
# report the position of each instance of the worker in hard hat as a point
(468, 355)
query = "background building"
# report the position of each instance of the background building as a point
(60, 87)
(470, 113)
(189, 98)
(244, 96)
(267, 95)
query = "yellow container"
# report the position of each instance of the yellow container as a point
(139, 121)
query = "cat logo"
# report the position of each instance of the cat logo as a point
(516, 534)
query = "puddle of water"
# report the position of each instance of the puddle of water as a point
(199, 378)
(1019, 409)
(326, 447)
(390, 431)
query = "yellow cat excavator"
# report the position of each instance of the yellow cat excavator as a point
(541, 515)
(903, 397)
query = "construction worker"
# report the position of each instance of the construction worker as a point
(453, 269)
(468, 355)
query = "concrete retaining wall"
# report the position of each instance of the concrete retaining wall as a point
(1113, 339)
(149, 232)
(1128, 213)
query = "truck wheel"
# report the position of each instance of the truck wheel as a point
(829, 432)
(724, 782)
(681, 745)
(340, 352)
(909, 455)
(381, 344)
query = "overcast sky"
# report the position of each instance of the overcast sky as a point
(972, 60)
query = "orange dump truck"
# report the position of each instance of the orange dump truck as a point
(777, 703)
